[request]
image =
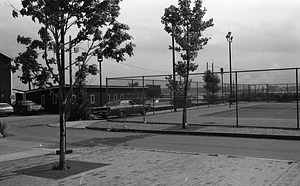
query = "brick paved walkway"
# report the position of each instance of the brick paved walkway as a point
(147, 167)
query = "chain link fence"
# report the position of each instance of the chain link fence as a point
(258, 87)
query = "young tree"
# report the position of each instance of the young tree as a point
(188, 35)
(57, 17)
(211, 83)
(77, 108)
(178, 86)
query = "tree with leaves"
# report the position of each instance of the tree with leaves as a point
(134, 84)
(95, 22)
(211, 84)
(186, 24)
(78, 107)
(178, 87)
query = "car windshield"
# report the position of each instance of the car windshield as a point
(28, 102)
(112, 103)
(4, 105)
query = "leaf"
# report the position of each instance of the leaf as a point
(23, 40)
(15, 14)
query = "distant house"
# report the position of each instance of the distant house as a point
(49, 97)
(5, 79)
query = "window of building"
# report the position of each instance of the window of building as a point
(54, 99)
(92, 98)
(115, 96)
(43, 101)
(121, 96)
(108, 97)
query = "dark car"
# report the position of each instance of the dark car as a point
(27, 106)
(120, 108)
(6, 109)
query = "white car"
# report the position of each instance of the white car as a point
(6, 109)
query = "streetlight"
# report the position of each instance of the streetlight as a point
(222, 73)
(100, 59)
(229, 39)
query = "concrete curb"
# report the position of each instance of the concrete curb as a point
(236, 135)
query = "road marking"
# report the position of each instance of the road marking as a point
(285, 110)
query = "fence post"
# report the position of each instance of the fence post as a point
(287, 93)
(225, 94)
(197, 96)
(268, 93)
(132, 97)
(107, 99)
(236, 100)
(153, 106)
(297, 97)
(243, 91)
(144, 115)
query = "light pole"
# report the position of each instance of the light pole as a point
(222, 73)
(100, 59)
(174, 76)
(229, 39)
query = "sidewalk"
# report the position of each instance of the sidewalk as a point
(126, 166)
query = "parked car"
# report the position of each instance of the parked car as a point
(120, 108)
(6, 109)
(27, 106)
(159, 102)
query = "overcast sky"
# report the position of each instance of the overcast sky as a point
(266, 35)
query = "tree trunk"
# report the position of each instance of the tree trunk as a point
(184, 119)
(184, 114)
(62, 104)
(62, 121)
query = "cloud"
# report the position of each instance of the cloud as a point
(266, 35)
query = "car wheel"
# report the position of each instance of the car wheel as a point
(143, 112)
(21, 112)
(121, 114)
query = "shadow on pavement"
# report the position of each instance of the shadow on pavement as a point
(106, 141)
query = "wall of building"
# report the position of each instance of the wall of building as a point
(5, 79)
(48, 97)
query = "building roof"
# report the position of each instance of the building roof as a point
(86, 86)
(5, 55)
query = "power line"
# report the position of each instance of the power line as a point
(144, 68)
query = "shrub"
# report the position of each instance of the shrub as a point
(3, 129)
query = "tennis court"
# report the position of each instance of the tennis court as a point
(260, 110)
(262, 114)
(254, 114)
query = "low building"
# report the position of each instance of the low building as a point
(49, 97)
(5, 79)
